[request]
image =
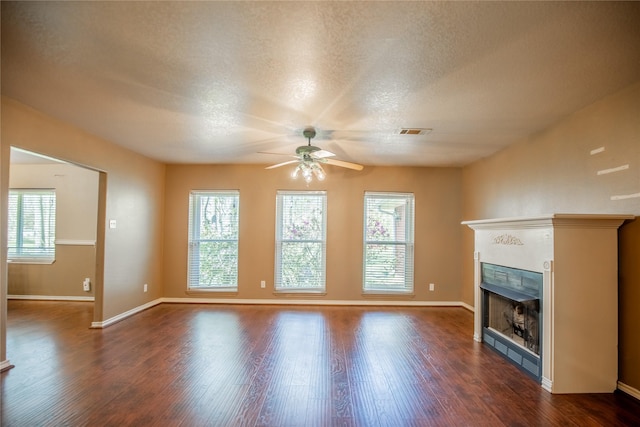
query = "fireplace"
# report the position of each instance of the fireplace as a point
(511, 314)
(546, 297)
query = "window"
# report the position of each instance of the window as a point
(388, 242)
(213, 240)
(300, 241)
(32, 225)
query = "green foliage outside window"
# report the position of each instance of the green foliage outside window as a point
(31, 224)
(301, 241)
(213, 255)
(388, 245)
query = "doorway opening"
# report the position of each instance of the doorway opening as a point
(74, 242)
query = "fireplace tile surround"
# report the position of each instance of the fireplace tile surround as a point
(577, 256)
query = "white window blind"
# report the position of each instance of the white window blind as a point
(300, 241)
(32, 225)
(213, 240)
(388, 242)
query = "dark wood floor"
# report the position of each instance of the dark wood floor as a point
(206, 365)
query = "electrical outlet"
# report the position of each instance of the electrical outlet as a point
(86, 284)
(432, 286)
(263, 284)
(145, 288)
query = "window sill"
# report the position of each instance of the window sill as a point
(43, 261)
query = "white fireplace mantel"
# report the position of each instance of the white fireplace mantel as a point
(578, 256)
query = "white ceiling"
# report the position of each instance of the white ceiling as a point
(26, 157)
(220, 82)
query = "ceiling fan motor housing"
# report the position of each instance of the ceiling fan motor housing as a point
(306, 150)
(309, 132)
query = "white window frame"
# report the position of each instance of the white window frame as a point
(401, 238)
(19, 252)
(196, 241)
(280, 284)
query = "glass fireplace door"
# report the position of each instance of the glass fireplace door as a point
(517, 320)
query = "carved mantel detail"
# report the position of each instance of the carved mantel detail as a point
(507, 239)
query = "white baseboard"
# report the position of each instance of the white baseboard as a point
(629, 390)
(75, 242)
(546, 383)
(122, 316)
(50, 298)
(467, 306)
(288, 301)
(4, 365)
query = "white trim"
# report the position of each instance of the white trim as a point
(122, 316)
(33, 261)
(467, 306)
(634, 392)
(196, 238)
(74, 242)
(548, 220)
(5, 365)
(407, 200)
(50, 298)
(477, 296)
(317, 302)
(280, 240)
(547, 384)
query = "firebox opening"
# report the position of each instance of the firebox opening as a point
(512, 314)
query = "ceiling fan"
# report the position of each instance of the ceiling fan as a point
(310, 159)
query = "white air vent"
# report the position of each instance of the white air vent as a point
(414, 131)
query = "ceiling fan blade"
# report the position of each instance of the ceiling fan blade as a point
(277, 154)
(323, 154)
(344, 164)
(282, 164)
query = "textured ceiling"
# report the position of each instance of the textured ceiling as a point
(220, 82)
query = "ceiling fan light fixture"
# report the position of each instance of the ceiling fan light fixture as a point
(308, 170)
(307, 174)
(318, 171)
(296, 171)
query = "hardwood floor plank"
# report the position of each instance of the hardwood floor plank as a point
(207, 365)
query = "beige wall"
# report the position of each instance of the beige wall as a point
(550, 172)
(63, 278)
(132, 193)
(555, 172)
(76, 225)
(437, 229)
